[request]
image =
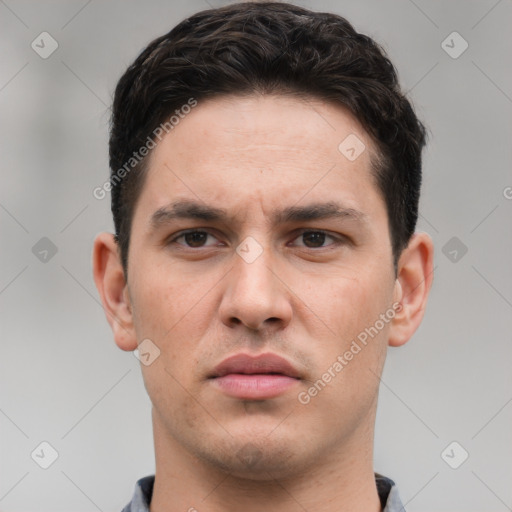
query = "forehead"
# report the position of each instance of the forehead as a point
(289, 125)
(255, 152)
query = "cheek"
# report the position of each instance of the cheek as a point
(170, 300)
(174, 310)
(354, 355)
(347, 305)
(174, 406)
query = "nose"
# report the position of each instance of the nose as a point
(256, 295)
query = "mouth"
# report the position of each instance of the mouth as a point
(254, 378)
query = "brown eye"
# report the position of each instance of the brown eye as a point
(193, 239)
(196, 238)
(316, 239)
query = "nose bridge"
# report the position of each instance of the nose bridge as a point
(252, 267)
(254, 295)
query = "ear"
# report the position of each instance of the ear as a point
(113, 289)
(415, 273)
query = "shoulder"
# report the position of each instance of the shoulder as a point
(141, 495)
(388, 494)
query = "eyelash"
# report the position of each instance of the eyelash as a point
(338, 240)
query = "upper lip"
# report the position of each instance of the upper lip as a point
(260, 364)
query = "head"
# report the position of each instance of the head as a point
(265, 172)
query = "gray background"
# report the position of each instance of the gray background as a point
(62, 378)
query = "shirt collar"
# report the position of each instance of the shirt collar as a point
(388, 494)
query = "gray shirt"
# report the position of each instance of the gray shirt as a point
(388, 494)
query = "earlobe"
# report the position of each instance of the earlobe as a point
(112, 287)
(414, 280)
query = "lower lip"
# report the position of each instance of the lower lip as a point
(255, 387)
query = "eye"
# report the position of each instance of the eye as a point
(193, 238)
(316, 238)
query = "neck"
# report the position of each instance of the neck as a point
(342, 481)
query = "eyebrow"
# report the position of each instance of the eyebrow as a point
(187, 209)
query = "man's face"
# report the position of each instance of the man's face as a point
(258, 283)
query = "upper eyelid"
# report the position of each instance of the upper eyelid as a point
(179, 234)
(337, 238)
(192, 230)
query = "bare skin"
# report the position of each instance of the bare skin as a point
(306, 297)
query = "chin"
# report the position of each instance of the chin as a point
(253, 460)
